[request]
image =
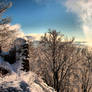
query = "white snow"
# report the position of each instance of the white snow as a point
(35, 84)
(19, 80)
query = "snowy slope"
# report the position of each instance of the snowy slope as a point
(16, 80)
(23, 82)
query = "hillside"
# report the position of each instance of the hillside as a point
(23, 82)
(14, 71)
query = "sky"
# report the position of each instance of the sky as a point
(37, 16)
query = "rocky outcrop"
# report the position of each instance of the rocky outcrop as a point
(25, 82)
(17, 57)
(22, 53)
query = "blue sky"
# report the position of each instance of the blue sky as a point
(37, 16)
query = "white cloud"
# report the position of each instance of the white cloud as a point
(36, 36)
(83, 9)
(16, 28)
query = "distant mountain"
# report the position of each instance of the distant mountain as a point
(78, 43)
(81, 43)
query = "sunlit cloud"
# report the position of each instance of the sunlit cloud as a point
(83, 9)
(35, 36)
(16, 28)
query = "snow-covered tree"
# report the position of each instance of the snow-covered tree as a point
(4, 21)
(22, 54)
(58, 56)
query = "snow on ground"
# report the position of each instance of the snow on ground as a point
(23, 82)
(20, 81)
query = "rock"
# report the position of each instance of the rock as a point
(17, 56)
